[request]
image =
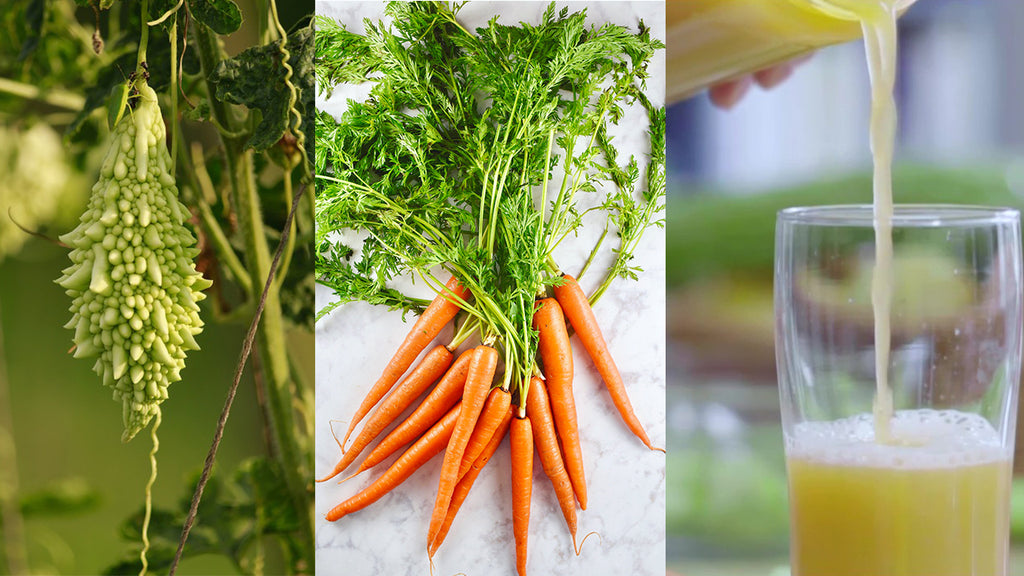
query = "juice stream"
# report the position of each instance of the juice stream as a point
(880, 44)
(878, 21)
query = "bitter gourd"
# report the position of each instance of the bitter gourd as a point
(133, 279)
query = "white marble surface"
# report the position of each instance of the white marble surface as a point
(626, 482)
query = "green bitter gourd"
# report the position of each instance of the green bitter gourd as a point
(133, 279)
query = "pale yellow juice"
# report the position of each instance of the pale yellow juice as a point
(934, 503)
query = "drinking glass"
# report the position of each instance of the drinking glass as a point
(932, 498)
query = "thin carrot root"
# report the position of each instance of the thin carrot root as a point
(589, 534)
(438, 314)
(466, 483)
(345, 479)
(522, 487)
(430, 445)
(334, 434)
(577, 309)
(478, 383)
(430, 369)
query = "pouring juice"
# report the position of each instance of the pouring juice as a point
(914, 492)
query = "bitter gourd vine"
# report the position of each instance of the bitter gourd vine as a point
(132, 276)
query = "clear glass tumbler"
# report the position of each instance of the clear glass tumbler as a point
(933, 498)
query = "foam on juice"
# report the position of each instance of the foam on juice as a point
(919, 439)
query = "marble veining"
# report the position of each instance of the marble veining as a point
(626, 482)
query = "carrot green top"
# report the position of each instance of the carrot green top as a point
(470, 156)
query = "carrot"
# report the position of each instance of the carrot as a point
(464, 485)
(521, 437)
(437, 315)
(441, 398)
(478, 382)
(497, 404)
(556, 354)
(433, 366)
(417, 455)
(543, 427)
(581, 316)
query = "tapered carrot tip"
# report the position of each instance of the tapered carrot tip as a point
(337, 470)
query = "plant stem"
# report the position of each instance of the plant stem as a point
(271, 343)
(10, 512)
(175, 125)
(282, 271)
(143, 38)
(223, 246)
(195, 171)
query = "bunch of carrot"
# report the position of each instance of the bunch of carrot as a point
(467, 414)
(472, 155)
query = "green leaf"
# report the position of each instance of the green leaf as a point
(200, 113)
(106, 4)
(256, 79)
(262, 479)
(96, 95)
(116, 104)
(34, 18)
(221, 16)
(65, 497)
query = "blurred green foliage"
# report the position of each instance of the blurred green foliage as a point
(711, 234)
(78, 481)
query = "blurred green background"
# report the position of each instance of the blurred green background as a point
(961, 140)
(67, 429)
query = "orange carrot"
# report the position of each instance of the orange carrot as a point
(556, 354)
(478, 382)
(464, 485)
(441, 398)
(417, 455)
(434, 318)
(543, 427)
(521, 437)
(433, 366)
(581, 316)
(495, 407)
